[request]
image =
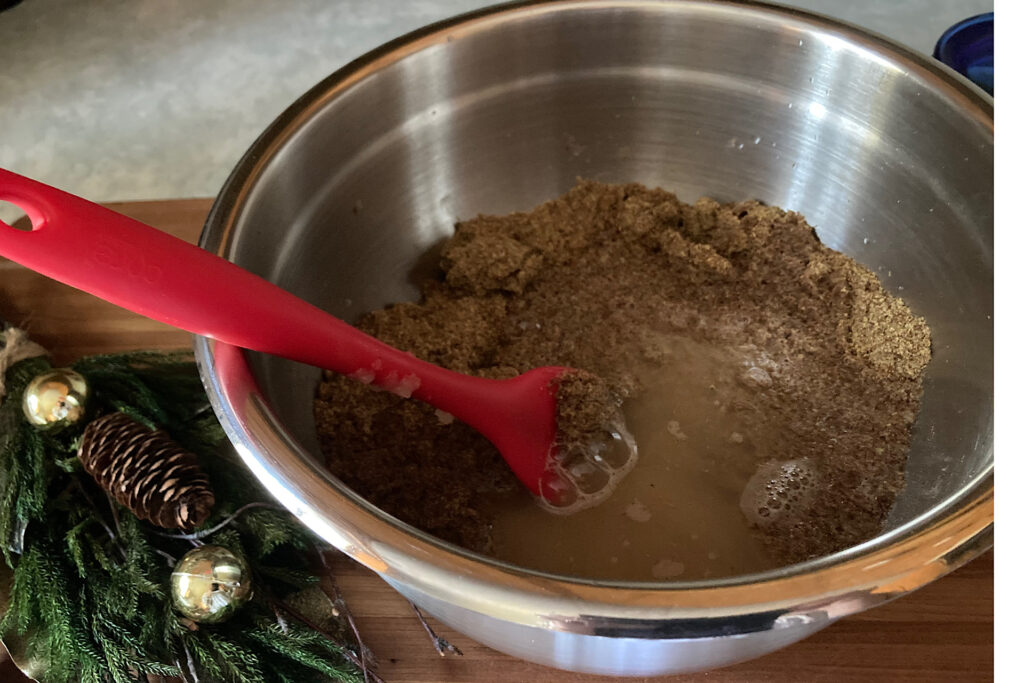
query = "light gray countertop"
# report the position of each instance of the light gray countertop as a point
(150, 99)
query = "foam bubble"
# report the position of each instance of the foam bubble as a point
(667, 569)
(676, 430)
(638, 512)
(406, 386)
(363, 375)
(586, 474)
(779, 492)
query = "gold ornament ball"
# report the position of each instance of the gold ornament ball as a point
(210, 583)
(55, 399)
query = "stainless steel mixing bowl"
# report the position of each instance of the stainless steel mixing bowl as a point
(345, 197)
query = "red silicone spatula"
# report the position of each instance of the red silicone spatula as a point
(164, 278)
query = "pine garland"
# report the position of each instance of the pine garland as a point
(90, 580)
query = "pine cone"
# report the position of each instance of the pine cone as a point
(147, 472)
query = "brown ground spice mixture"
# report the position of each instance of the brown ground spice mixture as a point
(604, 278)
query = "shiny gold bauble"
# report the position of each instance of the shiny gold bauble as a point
(210, 583)
(55, 399)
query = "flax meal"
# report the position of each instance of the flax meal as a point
(602, 279)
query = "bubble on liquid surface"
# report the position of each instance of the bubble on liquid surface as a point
(588, 475)
(638, 512)
(676, 430)
(583, 474)
(779, 492)
(667, 569)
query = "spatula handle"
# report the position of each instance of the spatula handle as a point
(147, 271)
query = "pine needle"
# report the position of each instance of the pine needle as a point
(89, 593)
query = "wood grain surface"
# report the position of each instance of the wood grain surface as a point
(943, 632)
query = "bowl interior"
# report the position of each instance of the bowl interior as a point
(888, 157)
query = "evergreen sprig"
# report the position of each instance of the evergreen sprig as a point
(89, 590)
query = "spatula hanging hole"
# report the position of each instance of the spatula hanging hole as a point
(15, 217)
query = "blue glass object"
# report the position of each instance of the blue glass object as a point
(967, 48)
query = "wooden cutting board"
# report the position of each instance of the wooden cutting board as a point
(943, 632)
